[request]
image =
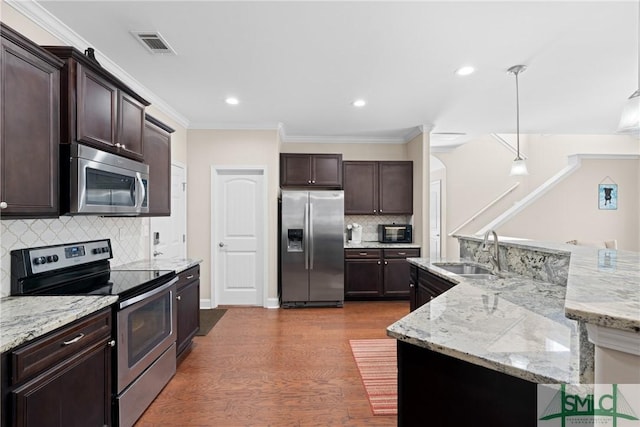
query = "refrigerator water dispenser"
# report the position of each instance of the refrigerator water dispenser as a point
(294, 240)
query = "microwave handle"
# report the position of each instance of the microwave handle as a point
(142, 192)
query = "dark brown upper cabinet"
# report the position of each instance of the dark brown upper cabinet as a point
(157, 149)
(378, 188)
(29, 128)
(311, 170)
(97, 108)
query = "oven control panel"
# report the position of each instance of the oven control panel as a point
(49, 258)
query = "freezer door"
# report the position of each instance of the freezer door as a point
(326, 246)
(294, 264)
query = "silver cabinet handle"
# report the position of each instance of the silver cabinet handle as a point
(190, 276)
(73, 341)
(374, 211)
(124, 146)
(380, 210)
(179, 298)
(402, 253)
(386, 263)
(111, 343)
(313, 181)
(117, 144)
(378, 262)
(411, 285)
(363, 253)
(3, 205)
(221, 244)
(309, 182)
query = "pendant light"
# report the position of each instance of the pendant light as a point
(518, 167)
(630, 119)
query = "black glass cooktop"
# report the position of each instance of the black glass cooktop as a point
(123, 283)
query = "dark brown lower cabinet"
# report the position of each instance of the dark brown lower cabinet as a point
(62, 379)
(377, 273)
(188, 303)
(425, 286)
(439, 390)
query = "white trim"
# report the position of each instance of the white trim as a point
(444, 148)
(215, 170)
(615, 339)
(206, 303)
(43, 18)
(481, 211)
(235, 126)
(508, 145)
(574, 163)
(272, 303)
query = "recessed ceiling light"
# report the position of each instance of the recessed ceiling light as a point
(232, 101)
(465, 71)
(359, 103)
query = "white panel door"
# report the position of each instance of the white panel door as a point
(435, 219)
(169, 233)
(238, 236)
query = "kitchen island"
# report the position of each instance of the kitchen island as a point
(478, 351)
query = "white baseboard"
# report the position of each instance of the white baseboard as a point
(272, 303)
(205, 303)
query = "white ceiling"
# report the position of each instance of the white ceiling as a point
(301, 64)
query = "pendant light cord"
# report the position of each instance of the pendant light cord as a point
(517, 117)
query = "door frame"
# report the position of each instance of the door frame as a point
(186, 204)
(215, 173)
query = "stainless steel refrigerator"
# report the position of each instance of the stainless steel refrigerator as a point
(311, 248)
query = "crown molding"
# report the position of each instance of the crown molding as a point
(44, 19)
(236, 126)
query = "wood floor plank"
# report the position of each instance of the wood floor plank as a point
(286, 367)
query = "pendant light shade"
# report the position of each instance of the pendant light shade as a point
(518, 167)
(630, 120)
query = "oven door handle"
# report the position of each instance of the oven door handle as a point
(148, 294)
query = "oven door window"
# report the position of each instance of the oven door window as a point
(148, 326)
(109, 189)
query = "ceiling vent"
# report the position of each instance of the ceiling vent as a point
(154, 42)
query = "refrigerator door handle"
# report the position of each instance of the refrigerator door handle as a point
(305, 236)
(311, 251)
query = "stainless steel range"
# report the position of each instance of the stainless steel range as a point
(145, 315)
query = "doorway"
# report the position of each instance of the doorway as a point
(238, 235)
(435, 219)
(168, 234)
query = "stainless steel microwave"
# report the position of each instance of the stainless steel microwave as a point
(395, 233)
(103, 183)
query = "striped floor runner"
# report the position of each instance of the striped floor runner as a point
(376, 361)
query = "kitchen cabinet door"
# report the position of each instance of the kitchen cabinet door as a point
(326, 170)
(188, 306)
(29, 128)
(396, 188)
(311, 170)
(157, 149)
(360, 188)
(96, 109)
(131, 126)
(363, 278)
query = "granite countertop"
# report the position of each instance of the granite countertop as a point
(603, 285)
(23, 318)
(176, 264)
(378, 245)
(514, 325)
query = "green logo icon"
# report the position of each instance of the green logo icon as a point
(566, 405)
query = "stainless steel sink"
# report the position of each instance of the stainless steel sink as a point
(464, 269)
(480, 276)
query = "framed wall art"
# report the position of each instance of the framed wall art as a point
(608, 196)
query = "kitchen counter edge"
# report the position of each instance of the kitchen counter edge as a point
(24, 318)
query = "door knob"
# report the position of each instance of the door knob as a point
(221, 244)
(156, 253)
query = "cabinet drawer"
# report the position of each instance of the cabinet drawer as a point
(59, 345)
(434, 283)
(188, 276)
(362, 253)
(402, 253)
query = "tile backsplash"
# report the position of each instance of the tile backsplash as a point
(128, 237)
(370, 223)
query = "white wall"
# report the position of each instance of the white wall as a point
(478, 172)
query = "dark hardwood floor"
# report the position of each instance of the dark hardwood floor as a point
(284, 367)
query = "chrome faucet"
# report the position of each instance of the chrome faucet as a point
(494, 257)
